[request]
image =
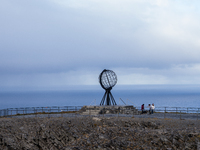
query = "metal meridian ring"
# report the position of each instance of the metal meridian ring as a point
(107, 79)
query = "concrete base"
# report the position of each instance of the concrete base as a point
(95, 110)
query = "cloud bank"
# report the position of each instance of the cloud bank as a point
(56, 43)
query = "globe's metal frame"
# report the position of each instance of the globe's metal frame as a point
(108, 80)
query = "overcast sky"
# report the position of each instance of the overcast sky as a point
(56, 43)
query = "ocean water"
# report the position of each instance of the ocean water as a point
(160, 95)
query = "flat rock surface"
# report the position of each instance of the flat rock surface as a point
(84, 132)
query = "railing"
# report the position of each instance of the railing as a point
(162, 112)
(38, 110)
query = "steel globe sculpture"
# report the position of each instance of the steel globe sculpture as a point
(107, 80)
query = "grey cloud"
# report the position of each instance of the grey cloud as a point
(42, 37)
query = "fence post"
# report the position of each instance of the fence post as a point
(7, 112)
(75, 111)
(49, 113)
(164, 114)
(36, 113)
(118, 112)
(103, 111)
(180, 115)
(198, 114)
(25, 110)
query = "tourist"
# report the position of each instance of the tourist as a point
(149, 107)
(152, 108)
(142, 108)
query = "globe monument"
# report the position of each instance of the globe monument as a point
(108, 80)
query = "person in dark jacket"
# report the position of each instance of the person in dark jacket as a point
(142, 108)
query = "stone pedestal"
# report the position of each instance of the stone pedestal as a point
(95, 110)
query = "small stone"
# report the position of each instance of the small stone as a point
(101, 137)
(96, 119)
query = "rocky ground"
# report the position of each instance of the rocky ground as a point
(98, 133)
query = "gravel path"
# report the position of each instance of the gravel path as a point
(155, 115)
(170, 115)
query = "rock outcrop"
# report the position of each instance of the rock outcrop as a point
(81, 133)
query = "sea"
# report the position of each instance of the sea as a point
(160, 95)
